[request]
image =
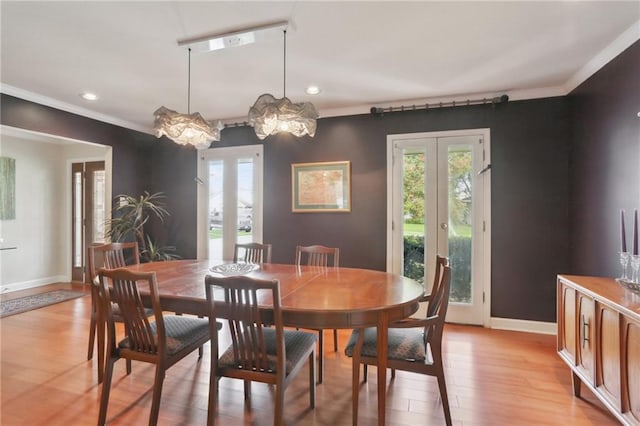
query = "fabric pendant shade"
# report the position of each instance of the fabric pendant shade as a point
(269, 115)
(186, 129)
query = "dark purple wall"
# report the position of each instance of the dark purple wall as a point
(131, 149)
(534, 175)
(605, 163)
(529, 142)
(173, 172)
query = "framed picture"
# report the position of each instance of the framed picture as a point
(321, 187)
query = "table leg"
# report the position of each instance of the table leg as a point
(383, 326)
(355, 374)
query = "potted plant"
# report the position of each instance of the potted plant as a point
(130, 217)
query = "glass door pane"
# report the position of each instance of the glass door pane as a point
(413, 202)
(98, 207)
(216, 207)
(76, 220)
(460, 221)
(245, 200)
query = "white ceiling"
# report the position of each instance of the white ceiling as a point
(361, 54)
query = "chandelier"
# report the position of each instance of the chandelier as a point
(186, 129)
(269, 115)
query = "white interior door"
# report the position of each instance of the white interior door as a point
(229, 200)
(438, 204)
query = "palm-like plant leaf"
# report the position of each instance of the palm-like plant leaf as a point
(130, 217)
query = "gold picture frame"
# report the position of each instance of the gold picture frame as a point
(321, 187)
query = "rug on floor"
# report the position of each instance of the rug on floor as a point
(35, 301)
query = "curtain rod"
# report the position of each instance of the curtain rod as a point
(493, 101)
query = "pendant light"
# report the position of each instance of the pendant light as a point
(186, 129)
(269, 115)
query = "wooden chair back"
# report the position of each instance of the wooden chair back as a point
(125, 292)
(252, 253)
(317, 255)
(239, 303)
(437, 309)
(111, 256)
(435, 297)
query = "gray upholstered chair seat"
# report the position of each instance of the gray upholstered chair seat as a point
(405, 344)
(295, 344)
(180, 332)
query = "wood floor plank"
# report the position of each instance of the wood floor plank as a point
(494, 377)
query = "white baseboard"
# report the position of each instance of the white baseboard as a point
(524, 325)
(33, 283)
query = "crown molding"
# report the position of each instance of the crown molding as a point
(74, 109)
(616, 47)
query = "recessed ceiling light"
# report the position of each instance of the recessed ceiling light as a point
(312, 90)
(88, 96)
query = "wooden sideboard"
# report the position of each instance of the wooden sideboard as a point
(599, 338)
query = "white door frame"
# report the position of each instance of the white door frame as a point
(204, 156)
(484, 181)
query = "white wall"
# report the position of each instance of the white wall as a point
(42, 228)
(39, 207)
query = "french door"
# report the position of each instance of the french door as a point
(229, 200)
(439, 204)
(88, 212)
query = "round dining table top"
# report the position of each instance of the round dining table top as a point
(313, 297)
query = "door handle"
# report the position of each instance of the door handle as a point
(444, 225)
(585, 330)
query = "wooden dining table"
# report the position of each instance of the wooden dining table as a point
(311, 297)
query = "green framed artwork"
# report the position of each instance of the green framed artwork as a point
(321, 187)
(7, 188)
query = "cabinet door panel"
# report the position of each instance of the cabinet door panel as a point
(631, 370)
(567, 317)
(609, 354)
(586, 364)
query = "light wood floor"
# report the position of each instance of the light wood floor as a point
(493, 378)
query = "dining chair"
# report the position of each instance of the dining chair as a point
(414, 345)
(252, 253)
(317, 255)
(322, 256)
(163, 342)
(441, 262)
(110, 256)
(261, 349)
